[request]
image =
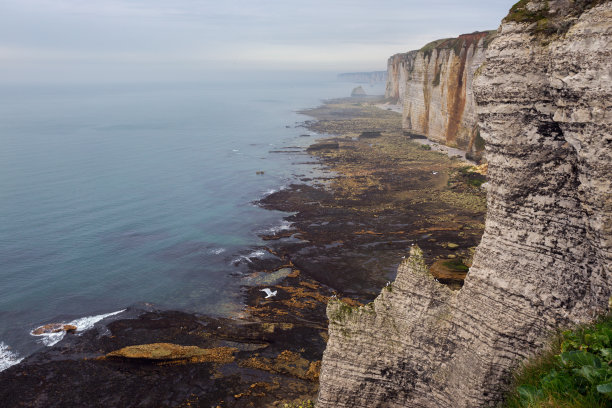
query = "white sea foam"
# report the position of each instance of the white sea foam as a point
(8, 357)
(285, 225)
(217, 251)
(273, 190)
(82, 324)
(255, 254)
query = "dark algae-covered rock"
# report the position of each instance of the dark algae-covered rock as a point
(170, 359)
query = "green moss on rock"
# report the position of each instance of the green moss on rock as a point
(339, 310)
(456, 265)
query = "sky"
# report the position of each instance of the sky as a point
(128, 40)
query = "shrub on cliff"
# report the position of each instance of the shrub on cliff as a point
(575, 373)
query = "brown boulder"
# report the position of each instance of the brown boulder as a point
(54, 328)
(175, 352)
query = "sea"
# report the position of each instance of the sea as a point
(114, 195)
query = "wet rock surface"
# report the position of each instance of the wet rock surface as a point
(131, 363)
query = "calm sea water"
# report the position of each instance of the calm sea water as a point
(118, 194)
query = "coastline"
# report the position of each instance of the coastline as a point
(347, 233)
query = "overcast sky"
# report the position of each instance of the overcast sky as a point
(84, 40)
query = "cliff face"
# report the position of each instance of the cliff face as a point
(434, 87)
(364, 77)
(544, 100)
(398, 68)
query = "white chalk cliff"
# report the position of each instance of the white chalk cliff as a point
(544, 106)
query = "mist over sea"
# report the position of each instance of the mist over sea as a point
(111, 195)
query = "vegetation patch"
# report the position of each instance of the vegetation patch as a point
(476, 182)
(427, 49)
(456, 265)
(471, 176)
(547, 23)
(519, 13)
(342, 310)
(575, 373)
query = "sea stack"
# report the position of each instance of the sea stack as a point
(358, 91)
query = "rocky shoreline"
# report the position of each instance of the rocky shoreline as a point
(348, 233)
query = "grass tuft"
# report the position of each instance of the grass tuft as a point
(576, 371)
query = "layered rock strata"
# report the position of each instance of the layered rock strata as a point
(398, 68)
(544, 100)
(434, 87)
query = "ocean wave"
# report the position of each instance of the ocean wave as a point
(273, 190)
(82, 324)
(217, 251)
(260, 253)
(8, 357)
(284, 226)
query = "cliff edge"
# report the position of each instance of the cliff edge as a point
(434, 87)
(544, 99)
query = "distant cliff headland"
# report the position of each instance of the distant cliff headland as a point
(538, 93)
(433, 86)
(373, 77)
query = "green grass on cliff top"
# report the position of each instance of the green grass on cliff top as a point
(520, 14)
(452, 43)
(575, 373)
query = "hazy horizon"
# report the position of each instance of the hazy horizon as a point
(137, 40)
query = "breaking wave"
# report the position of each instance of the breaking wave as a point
(285, 225)
(248, 258)
(8, 357)
(82, 324)
(217, 251)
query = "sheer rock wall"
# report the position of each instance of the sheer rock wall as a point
(434, 87)
(544, 100)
